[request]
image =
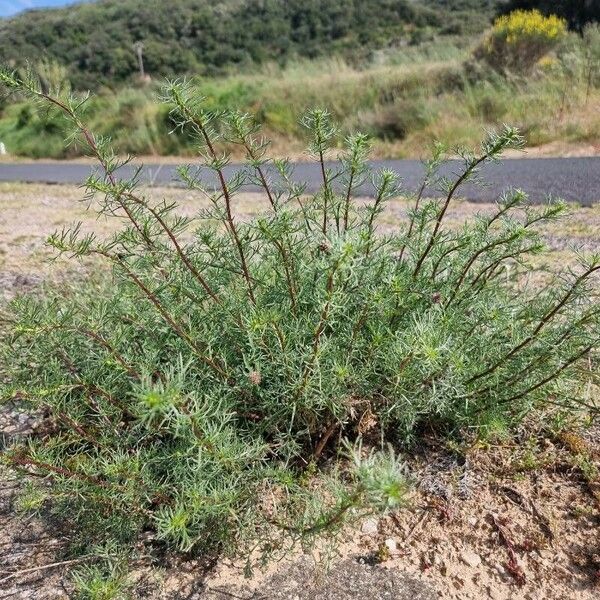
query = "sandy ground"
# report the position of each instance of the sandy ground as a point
(295, 151)
(29, 213)
(505, 521)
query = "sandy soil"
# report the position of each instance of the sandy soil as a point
(505, 521)
(295, 151)
(29, 213)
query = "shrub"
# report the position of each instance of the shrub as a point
(488, 101)
(578, 13)
(591, 50)
(397, 120)
(198, 392)
(518, 40)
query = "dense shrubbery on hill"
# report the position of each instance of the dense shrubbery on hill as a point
(391, 69)
(96, 40)
(406, 97)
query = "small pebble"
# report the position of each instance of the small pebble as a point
(370, 527)
(470, 558)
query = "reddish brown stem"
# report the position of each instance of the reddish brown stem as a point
(324, 439)
(348, 197)
(550, 377)
(227, 196)
(287, 262)
(440, 217)
(166, 316)
(89, 138)
(413, 215)
(542, 323)
(107, 346)
(319, 330)
(183, 256)
(326, 191)
(22, 460)
(472, 260)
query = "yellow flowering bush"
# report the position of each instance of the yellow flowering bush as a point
(520, 39)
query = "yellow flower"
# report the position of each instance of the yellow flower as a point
(521, 25)
(546, 62)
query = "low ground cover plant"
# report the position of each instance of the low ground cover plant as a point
(239, 386)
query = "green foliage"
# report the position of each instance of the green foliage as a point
(198, 392)
(463, 17)
(394, 121)
(591, 57)
(203, 37)
(100, 583)
(409, 96)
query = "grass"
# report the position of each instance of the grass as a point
(403, 98)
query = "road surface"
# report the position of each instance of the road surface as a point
(573, 179)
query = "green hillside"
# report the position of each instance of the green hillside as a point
(403, 71)
(96, 41)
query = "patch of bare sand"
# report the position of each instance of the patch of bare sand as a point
(487, 525)
(505, 522)
(295, 151)
(557, 149)
(29, 213)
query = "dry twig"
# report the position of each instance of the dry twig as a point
(44, 567)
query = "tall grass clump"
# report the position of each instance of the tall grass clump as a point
(236, 386)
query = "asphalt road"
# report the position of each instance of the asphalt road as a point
(573, 179)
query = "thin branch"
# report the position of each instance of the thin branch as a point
(542, 323)
(326, 190)
(550, 377)
(62, 563)
(438, 222)
(166, 316)
(88, 136)
(226, 195)
(107, 346)
(413, 216)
